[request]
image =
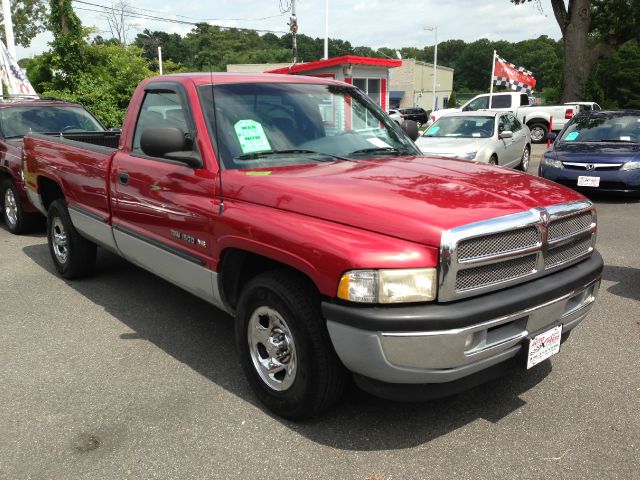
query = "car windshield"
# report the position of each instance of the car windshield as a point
(603, 127)
(17, 122)
(463, 127)
(267, 125)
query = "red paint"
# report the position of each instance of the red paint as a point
(322, 219)
(550, 127)
(383, 94)
(332, 62)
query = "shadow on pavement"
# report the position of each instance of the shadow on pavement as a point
(202, 337)
(627, 281)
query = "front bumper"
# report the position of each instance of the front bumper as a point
(441, 343)
(613, 181)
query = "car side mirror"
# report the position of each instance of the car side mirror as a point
(169, 143)
(411, 129)
(506, 134)
(552, 136)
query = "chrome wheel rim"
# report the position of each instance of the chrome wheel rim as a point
(10, 207)
(525, 159)
(59, 240)
(272, 348)
(537, 134)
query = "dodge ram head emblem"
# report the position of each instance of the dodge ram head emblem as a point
(590, 166)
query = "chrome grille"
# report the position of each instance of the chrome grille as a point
(486, 275)
(512, 249)
(566, 227)
(568, 252)
(498, 243)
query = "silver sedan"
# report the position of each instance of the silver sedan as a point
(492, 137)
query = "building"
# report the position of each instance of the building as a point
(371, 75)
(411, 85)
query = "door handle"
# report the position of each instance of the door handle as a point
(123, 178)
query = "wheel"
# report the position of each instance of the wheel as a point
(419, 124)
(539, 132)
(524, 161)
(284, 346)
(73, 255)
(15, 218)
(493, 160)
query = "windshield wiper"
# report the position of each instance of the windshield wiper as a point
(616, 140)
(254, 156)
(365, 151)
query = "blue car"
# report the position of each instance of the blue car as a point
(597, 151)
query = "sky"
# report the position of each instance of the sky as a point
(369, 23)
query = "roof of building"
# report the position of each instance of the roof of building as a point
(343, 60)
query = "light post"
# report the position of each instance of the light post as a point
(435, 61)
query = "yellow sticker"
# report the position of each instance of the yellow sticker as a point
(256, 174)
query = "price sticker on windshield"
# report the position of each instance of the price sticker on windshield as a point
(251, 136)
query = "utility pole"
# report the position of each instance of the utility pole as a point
(293, 27)
(326, 29)
(8, 27)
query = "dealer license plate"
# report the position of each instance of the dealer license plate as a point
(588, 181)
(544, 345)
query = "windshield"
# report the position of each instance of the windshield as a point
(19, 121)
(463, 127)
(259, 125)
(603, 127)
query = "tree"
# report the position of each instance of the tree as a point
(67, 45)
(591, 29)
(29, 18)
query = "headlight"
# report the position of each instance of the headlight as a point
(467, 156)
(550, 162)
(388, 286)
(631, 165)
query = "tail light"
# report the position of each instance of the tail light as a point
(433, 118)
(568, 114)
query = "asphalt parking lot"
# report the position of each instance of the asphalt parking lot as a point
(125, 376)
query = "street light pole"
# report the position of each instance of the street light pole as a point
(435, 62)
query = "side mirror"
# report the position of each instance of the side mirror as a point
(411, 129)
(170, 143)
(552, 136)
(506, 134)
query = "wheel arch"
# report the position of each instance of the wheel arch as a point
(49, 190)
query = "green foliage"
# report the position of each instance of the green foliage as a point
(453, 100)
(29, 17)
(615, 81)
(67, 55)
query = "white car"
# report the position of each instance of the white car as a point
(396, 116)
(498, 138)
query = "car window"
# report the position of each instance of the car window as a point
(477, 104)
(160, 109)
(16, 122)
(462, 127)
(501, 101)
(515, 123)
(504, 124)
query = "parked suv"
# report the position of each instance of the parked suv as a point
(417, 114)
(18, 117)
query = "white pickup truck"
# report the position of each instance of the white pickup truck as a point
(537, 117)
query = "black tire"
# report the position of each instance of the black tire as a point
(539, 132)
(319, 379)
(525, 160)
(73, 255)
(493, 160)
(15, 218)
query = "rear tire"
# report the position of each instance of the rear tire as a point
(15, 218)
(539, 132)
(285, 349)
(73, 255)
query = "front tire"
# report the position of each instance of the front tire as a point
(539, 132)
(493, 160)
(526, 157)
(15, 218)
(284, 346)
(73, 255)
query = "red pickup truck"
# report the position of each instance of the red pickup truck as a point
(18, 117)
(297, 205)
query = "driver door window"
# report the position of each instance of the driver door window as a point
(477, 104)
(160, 109)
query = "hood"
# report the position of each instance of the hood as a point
(413, 198)
(444, 145)
(597, 152)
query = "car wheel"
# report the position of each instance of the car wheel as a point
(493, 160)
(524, 161)
(419, 124)
(539, 132)
(15, 218)
(284, 346)
(73, 255)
